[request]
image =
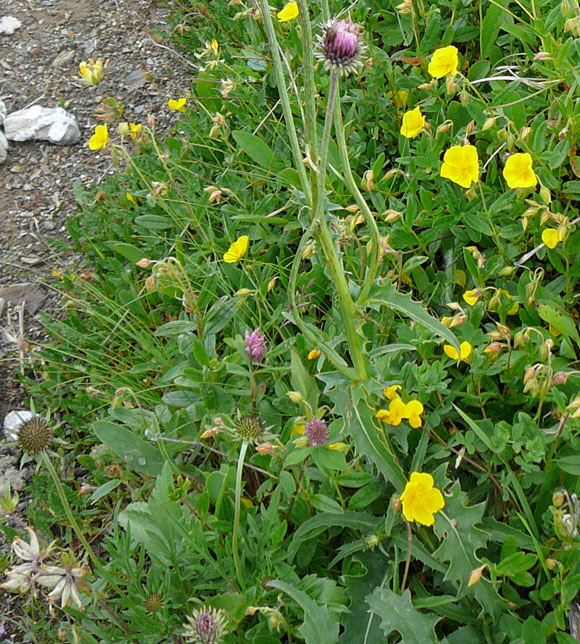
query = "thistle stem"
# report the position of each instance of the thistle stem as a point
(323, 235)
(285, 100)
(375, 252)
(308, 75)
(237, 512)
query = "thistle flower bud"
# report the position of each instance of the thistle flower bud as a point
(34, 435)
(249, 428)
(340, 46)
(316, 431)
(206, 626)
(153, 602)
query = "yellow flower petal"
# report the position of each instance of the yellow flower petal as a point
(444, 62)
(390, 392)
(421, 500)
(471, 297)
(461, 165)
(338, 447)
(177, 105)
(413, 123)
(100, 138)
(518, 171)
(451, 351)
(550, 237)
(289, 12)
(315, 353)
(237, 250)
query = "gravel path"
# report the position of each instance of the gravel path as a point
(39, 65)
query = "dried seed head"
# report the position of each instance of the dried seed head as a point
(249, 428)
(316, 431)
(34, 435)
(340, 46)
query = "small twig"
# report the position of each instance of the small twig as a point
(172, 51)
(21, 342)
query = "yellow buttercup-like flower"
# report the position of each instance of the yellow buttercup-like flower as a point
(471, 297)
(413, 123)
(421, 500)
(289, 12)
(237, 250)
(518, 171)
(177, 105)
(444, 62)
(461, 165)
(394, 414)
(315, 353)
(551, 237)
(100, 138)
(451, 351)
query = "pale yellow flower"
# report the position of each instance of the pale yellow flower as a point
(413, 123)
(92, 72)
(444, 62)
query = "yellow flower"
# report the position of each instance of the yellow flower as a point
(551, 237)
(518, 171)
(399, 97)
(315, 353)
(444, 62)
(471, 297)
(177, 105)
(100, 138)
(237, 250)
(461, 165)
(289, 12)
(413, 411)
(451, 352)
(130, 198)
(338, 447)
(92, 72)
(421, 500)
(413, 123)
(394, 415)
(390, 392)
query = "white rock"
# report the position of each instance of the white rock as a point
(13, 420)
(2, 111)
(3, 147)
(52, 124)
(9, 24)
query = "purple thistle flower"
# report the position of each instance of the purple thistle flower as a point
(316, 431)
(341, 47)
(255, 345)
(206, 626)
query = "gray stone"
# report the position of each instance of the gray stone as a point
(13, 420)
(9, 24)
(3, 147)
(2, 111)
(39, 123)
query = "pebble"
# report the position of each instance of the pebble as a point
(39, 123)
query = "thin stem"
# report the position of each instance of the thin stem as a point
(285, 100)
(408, 559)
(308, 75)
(238, 504)
(375, 253)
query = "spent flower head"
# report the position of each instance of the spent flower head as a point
(206, 626)
(340, 46)
(249, 428)
(34, 435)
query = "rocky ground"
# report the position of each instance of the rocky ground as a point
(39, 64)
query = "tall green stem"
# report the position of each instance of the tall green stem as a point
(375, 251)
(323, 235)
(308, 75)
(285, 100)
(237, 512)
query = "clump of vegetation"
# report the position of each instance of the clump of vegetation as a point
(318, 377)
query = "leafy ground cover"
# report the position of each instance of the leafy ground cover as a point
(318, 380)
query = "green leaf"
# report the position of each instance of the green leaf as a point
(303, 382)
(560, 320)
(569, 464)
(370, 439)
(256, 149)
(137, 453)
(387, 295)
(320, 625)
(104, 489)
(131, 253)
(398, 614)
